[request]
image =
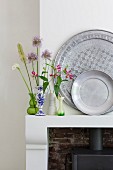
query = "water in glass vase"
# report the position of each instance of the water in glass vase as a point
(60, 111)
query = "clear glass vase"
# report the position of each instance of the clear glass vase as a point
(60, 111)
(32, 109)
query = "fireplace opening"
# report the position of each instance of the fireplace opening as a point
(95, 157)
(63, 140)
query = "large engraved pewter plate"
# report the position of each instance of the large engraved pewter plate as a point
(92, 92)
(89, 50)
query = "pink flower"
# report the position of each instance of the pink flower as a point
(71, 76)
(54, 75)
(34, 74)
(51, 75)
(68, 74)
(58, 67)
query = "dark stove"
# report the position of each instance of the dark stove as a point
(86, 159)
(94, 157)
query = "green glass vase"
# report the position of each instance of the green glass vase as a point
(32, 109)
(60, 111)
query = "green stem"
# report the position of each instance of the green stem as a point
(50, 80)
(32, 65)
(48, 68)
(45, 68)
(49, 84)
(24, 80)
(28, 76)
(37, 67)
(34, 70)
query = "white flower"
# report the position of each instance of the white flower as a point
(15, 66)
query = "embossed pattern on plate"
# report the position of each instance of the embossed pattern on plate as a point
(89, 50)
(92, 92)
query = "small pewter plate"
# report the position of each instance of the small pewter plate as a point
(92, 92)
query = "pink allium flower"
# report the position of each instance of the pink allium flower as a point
(46, 54)
(58, 67)
(32, 57)
(37, 41)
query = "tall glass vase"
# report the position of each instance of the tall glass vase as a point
(40, 100)
(60, 111)
(32, 109)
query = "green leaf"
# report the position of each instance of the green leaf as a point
(43, 72)
(59, 80)
(44, 68)
(64, 80)
(52, 66)
(45, 84)
(43, 78)
(56, 89)
(64, 71)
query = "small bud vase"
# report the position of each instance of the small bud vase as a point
(40, 100)
(60, 111)
(32, 109)
(52, 110)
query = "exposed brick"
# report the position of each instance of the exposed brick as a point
(62, 140)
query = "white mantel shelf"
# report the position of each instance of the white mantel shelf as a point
(37, 133)
(72, 120)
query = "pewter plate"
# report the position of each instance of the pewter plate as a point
(89, 50)
(92, 92)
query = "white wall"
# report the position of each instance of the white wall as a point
(61, 19)
(18, 23)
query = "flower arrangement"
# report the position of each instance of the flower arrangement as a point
(57, 78)
(31, 60)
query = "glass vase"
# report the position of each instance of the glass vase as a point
(60, 111)
(32, 109)
(40, 101)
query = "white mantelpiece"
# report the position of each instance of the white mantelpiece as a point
(56, 26)
(37, 134)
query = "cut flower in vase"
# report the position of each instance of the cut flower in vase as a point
(50, 73)
(30, 62)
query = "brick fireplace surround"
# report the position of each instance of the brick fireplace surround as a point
(60, 135)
